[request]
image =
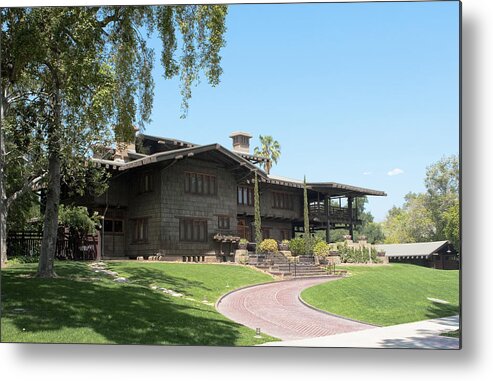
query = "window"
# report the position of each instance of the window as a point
(282, 200)
(266, 233)
(245, 196)
(285, 234)
(193, 230)
(140, 230)
(199, 183)
(223, 222)
(113, 226)
(145, 183)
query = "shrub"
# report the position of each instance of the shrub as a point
(321, 249)
(268, 246)
(297, 246)
(243, 241)
(357, 255)
(285, 242)
(23, 259)
(78, 218)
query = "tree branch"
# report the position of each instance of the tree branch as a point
(27, 186)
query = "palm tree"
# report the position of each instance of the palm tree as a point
(270, 149)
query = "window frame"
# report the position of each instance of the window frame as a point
(145, 183)
(112, 230)
(137, 224)
(192, 229)
(282, 200)
(200, 184)
(245, 195)
(221, 225)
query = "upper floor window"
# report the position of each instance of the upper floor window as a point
(200, 183)
(245, 196)
(282, 200)
(145, 182)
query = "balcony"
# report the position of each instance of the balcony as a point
(337, 214)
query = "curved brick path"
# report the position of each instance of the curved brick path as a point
(277, 311)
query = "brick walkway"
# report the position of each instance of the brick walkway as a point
(277, 311)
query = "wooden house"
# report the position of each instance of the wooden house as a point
(174, 198)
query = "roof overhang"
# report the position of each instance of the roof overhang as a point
(330, 189)
(337, 189)
(218, 152)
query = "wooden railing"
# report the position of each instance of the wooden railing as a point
(336, 214)
(69, 246)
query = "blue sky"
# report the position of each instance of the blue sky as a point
(359, 93)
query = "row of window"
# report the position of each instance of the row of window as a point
(191, 229)
(200, 183)
(204, 184)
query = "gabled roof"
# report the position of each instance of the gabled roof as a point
(412, 249)
(176, 149)
(178, 154)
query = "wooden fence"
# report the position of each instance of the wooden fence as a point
(69, 245)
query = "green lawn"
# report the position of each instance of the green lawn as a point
(85, 307)
(388, 295)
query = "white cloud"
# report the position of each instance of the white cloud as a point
(395, 172)
(367, 173)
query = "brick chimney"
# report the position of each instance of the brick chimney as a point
(123, 148)
(241, 141)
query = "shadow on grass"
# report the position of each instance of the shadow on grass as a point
(438, 310)
(123, 314)
(145, 276)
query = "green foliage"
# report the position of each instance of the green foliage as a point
(268, 246)
(16, 260)
(364, 254)
(306, 221)
(452, 224)
(321, 249)
(297, 246)
(269, 148)
(257, 218)
(243, 241)
(77, 218)
(432, 215)
(285, 242)
(74, 78)
(373, 231)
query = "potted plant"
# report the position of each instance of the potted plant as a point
(284, 246)
(268, 246)
(242, 245)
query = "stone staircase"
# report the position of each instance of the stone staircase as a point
(277, 264)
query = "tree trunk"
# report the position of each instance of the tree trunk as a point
(3, 194)
(50, 226)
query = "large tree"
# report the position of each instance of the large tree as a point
(91, 69)
(432, 215)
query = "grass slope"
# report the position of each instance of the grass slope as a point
(84, 307)
(388, 295)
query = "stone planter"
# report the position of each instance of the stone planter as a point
(242, 246)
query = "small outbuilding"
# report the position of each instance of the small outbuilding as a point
(438, 255)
